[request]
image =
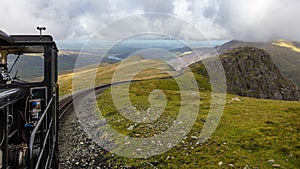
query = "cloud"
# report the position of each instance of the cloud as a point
(260, 19)
(217, 19)
(165, 6)
(64, 19)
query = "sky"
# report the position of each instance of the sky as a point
(251, 20)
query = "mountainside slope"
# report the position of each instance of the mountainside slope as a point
(251, 72)
(250, 134)
(284, 56)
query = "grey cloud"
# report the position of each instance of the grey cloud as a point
(227, 19)
(165, 6)
(260, 19)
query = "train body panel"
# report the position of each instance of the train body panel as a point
(28, 101)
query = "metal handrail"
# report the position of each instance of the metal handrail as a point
(34, 132)
(44, 144)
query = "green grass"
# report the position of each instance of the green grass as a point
(250, 133)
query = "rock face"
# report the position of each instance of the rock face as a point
(251, 72)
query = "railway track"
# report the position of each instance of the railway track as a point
(66, 103)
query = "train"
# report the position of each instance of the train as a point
(29, 99)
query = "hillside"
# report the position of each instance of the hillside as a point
(251, 72)
(67, 60)
(104, 73)
(287, 44)
(250, 134)
(284, 54)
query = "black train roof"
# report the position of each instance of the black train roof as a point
(6, 39)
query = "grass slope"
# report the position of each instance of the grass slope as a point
(251, 131)
(287, 60)
(286, 44)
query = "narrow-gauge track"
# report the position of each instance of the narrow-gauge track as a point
(66, 103)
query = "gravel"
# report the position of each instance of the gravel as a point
(76, 149)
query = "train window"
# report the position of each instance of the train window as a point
(26, 65)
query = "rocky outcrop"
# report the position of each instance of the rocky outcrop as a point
(251, 72)
(286, 59)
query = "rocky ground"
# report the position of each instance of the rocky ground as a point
(77, 150)
(251, 72)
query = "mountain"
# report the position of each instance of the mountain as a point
(251, 72)
(285, 54)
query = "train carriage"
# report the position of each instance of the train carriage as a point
(28, 101)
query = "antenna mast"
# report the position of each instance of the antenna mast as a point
(41, 29)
